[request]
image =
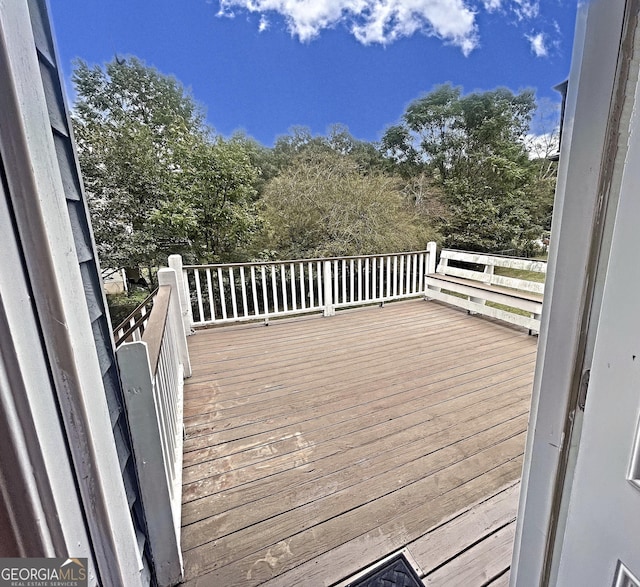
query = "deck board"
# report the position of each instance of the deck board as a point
(317, 446)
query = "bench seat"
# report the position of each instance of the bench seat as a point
(477, 289)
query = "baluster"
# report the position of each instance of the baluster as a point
(294, 289)
(265, 298)
(196, 273)
(319, 281)
(243, 285)
(223, 299)
(366, 279)
(344, 281)
(395, 275)
(274, 289)
(374, 273)
(232, 286)
(212, 310)
(283, 283)
(303, 297)
(254, 291)
(351, 281)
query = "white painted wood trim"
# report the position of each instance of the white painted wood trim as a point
(479, 308)
(590, 91)
(507, 262)
(40, 208)
(431, 257)
(329, 309)
(41, 480)
(319, 278)
(486, 295)
(169, 277)
(137, 382)
(490, 278)
(175, 263)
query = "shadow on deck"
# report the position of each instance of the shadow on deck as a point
(317, 446)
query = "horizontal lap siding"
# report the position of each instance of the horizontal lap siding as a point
(87, 259)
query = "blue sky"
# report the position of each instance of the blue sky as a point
(263, 66)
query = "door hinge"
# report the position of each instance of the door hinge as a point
(584, 385)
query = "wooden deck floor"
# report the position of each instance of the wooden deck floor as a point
(318, 446)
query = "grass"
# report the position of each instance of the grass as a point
(510, 309)
(121, 305)
(521, 274)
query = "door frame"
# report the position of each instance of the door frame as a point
(581, 234)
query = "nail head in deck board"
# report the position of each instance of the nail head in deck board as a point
(396, 357)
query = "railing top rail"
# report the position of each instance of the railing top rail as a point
(142, 304)
(534, 265)
(120, 338)
(155, 327)
(311, 260)
(493, 255)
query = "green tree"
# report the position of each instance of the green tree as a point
(218, 185)
(157, 180)
(338, 141)
(473, 147)
(323, 204)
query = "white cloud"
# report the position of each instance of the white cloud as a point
(526, 9)
(264, 24)
(538, 44)
(373, 21)
(543, 145)
(492, 5)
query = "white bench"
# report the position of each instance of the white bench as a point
(481, 286)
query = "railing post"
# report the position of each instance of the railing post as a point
(186, 315)
(329, 309)
(430, 267)
(431, 257)
(169, 277)
(137, 384)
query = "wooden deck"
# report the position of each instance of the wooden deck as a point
(318, 446)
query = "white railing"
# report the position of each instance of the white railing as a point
(258, 291)
(152, 372)
(132, 327)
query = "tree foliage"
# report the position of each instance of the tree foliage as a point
(323, 204)
(473, 147)
(338, 141)
(157, 180)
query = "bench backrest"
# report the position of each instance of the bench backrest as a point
(489, 263)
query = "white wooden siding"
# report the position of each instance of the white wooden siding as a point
(51, 259)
